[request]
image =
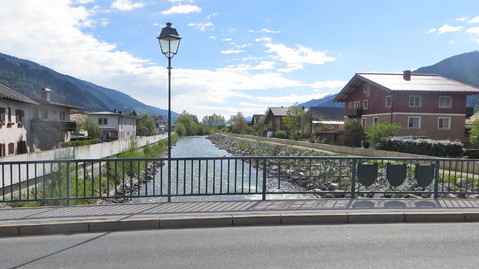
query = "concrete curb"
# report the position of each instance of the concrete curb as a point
(174, 222)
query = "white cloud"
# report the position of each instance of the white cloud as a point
(203, 26)
(181, 9)
(264, 30)
(231, 51)
(126, 5)
(448, 28)
(226, 39)
(432, 30)
(61, 44)
(462, 19)
(295, 58)
(332, 84)
(474, 20)
(473, 30)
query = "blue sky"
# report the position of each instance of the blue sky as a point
(235, 56)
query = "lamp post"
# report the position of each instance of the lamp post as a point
(169, 43)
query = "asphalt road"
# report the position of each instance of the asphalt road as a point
(430, 245)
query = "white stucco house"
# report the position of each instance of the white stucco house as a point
(115, 126)
(26, 123)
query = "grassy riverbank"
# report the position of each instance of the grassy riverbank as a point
(108, 177)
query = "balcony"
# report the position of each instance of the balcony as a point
(354, 113)
(63, 126)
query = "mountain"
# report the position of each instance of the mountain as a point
(463, 67)
(29, 77)
(326, 101)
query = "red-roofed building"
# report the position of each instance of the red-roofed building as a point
(424, 104)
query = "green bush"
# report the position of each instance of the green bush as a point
(378, 131)
(440, 148)
(80, 143)
(280, 134)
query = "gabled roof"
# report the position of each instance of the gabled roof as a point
(328, 113)
(396, 82)
(279, 111)
(50, 103)
(10, 93)
(108, 113)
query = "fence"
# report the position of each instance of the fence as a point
(80, 181)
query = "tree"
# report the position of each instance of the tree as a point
(187, 120)
(296, 121)
(474, 134)
(90, 126)
(238, 124)
(378, 131)
(353, 133)
(259, 127)
(145, 125)
(214, 121)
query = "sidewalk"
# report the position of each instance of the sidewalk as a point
(117, 217)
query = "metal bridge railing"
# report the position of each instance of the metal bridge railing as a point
(85, 181)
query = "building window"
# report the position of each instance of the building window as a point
(2, 115)
(366, 89)
(44, 114)
(11, 148)
(363, 122)
(20, 116)
(2, 150)
(389, 101)
(102, 121)
(357, 104)
(444, 123)
(365, 104)
(62, 116)
(9, 114)
(414, 101)
(445, 101)
(21, 147)
(375, 120)
(350, 105)
(414, 123)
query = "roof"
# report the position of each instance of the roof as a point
(328, 113)
(279, 111)
(10, 93)
(50, 103)
(396, 82)
(108, 113)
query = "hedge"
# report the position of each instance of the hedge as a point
(440, 148)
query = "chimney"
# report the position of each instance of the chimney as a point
(46, 94)
(406, 75)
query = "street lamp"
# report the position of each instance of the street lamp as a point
(169, 43)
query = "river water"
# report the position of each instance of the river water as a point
(199, 146)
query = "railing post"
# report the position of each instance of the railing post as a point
(436, 181)
(353, 179)
(265, 169)
(69, 202)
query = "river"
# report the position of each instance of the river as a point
(199, 146)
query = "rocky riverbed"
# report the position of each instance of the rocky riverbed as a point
(329, 177)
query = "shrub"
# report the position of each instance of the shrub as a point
(80, 143)
(440, 148)
(280, 134)
(378, 131)
(353, 133)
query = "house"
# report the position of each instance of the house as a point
(161, 125)
(54, 116)
(29, 124)
(255, 119)
(327, 123)
(15, 115)
(423, 104)
(115, 126)
(274, 119)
